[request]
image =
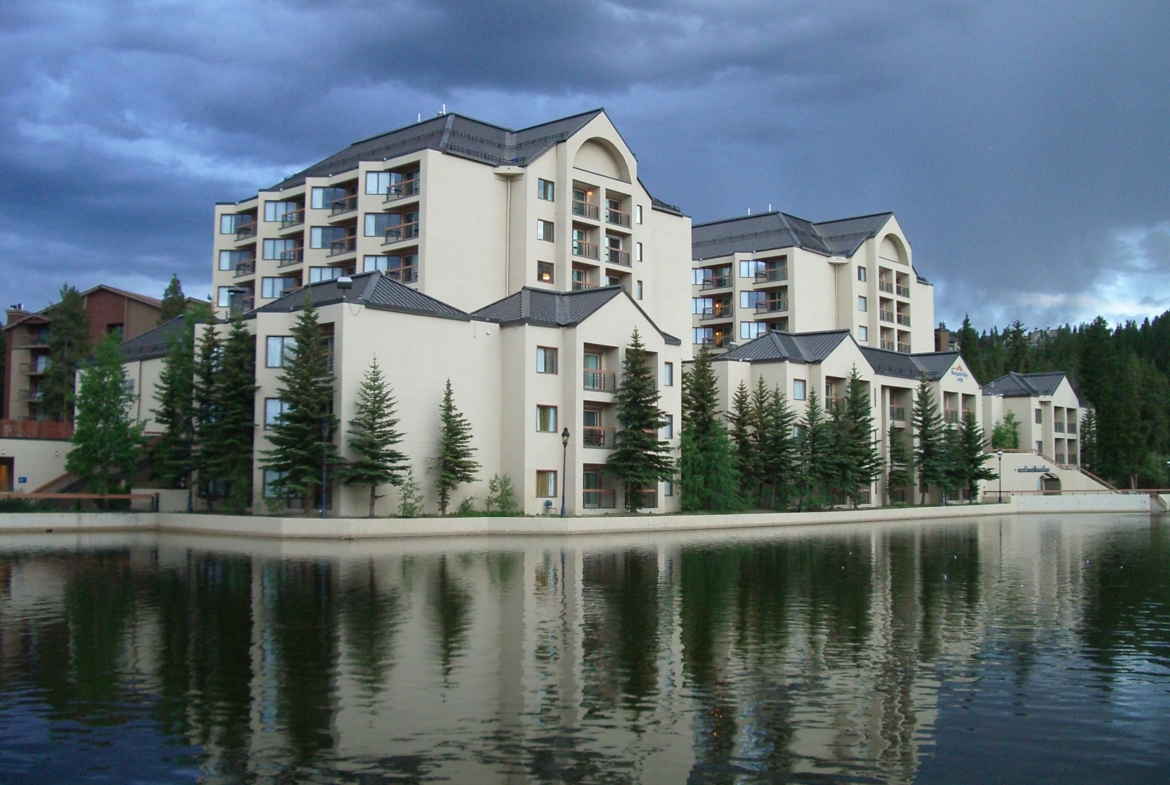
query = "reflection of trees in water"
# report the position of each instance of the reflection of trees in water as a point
(304, 628)
(620, 629)
(452, 609)
(371, 615)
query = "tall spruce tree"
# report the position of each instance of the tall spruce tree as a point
(302, 439)
(235, 426)
(1089, 454)
(761, 434)
(707, 477)
(455, 463)
(952, 477)
(855, 450)
(972, 456)
(174, 303)
(374, 437)
(930, 456)
(205, 414)
(969, 347)
(106, 440)
(815, 475)
(901, 464)
(779, 451)
(175, 393)
(741, 426)
(68, 346)
(640, 458)
(1017, 347)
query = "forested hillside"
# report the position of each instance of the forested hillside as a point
(1123, 372)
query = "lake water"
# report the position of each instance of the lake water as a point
(1000, 650)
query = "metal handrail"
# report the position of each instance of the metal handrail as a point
(585, 210)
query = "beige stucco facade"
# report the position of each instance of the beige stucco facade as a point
(1049, 416)
(28, 464)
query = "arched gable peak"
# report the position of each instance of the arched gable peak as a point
(601, 156)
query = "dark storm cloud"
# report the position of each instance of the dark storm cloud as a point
(1021, 145)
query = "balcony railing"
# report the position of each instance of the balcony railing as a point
(716, 341)
(291, 257)
(403, 274)
(35, 369)
(30, 395)
(889, 346)
(886, 286)
(293, 218)
(772, 306)
(35, 429)
(617, 256)
(244, 231)
(402, 190)
(904, 348)
(617, 217)
(1058, 427)
(585, 250)
(902, 291)
(717, 312)
(604, 381)
(1072, 459)
(599, 499)
(772, 275)
(1072, 426)
(898, 413)
(585, 210)
(951, 415)
(396, 234)
(903, 319)
(1060, 458)
(886, 316)
(346, 204)
(580, 285)
(31, 341)
(716, 282)
(343, 245)
(245, 268)
(593, 436)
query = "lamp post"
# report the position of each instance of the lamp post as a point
(564, 466)
(999, 453)
(324, 460)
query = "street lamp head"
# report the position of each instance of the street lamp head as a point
(565, 437)
(324, 427)
(999, 453)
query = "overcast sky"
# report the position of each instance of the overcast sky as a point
(1024, 146)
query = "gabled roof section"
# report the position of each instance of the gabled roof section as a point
(776, 230)
(453, 134)
(932, 365)
(154, 342)
(374, 290)
(142, 298)
(558, 309)
(787, 347)
(1025, 385)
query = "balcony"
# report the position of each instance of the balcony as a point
(716, 341)
(601, 381)
(585, 250)
(772, 306)
(291, 257)
(617, 256)
(716, 282)
(773, 275)
(396, 234)
(725, 311)
(402, 274)
(904, 348)
(600, 499)
(617, 217)
(30, 395)
(903, 319)
(592, 436)
(1058, 427)
(35, 429)
(346, 204)
(32, 341)
(404, 189)
(344, 245)
(244, 231)
(1072, 427)
(902, 291)
(293, 218)
(898, 413)
(889, 346)
(586, 210)
(951, 415)
(36, 368)
(886, 286)
(582, 285)
(886, 316)
(245, 268)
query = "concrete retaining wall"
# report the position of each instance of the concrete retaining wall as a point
(77, 521)
(1106, 502)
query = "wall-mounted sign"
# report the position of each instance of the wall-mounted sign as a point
(1032, 469)
(959, 372)
(22, 480)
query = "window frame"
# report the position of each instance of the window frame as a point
(546, 415)
(544, 479)
(800, 389)
(281, 406)
(285, 352)
(546, 230)
(862, 333)
(862, 303)
(546, 190)
(638, 213)
(667, 430)
(543, 355)
(668, 374)
(861, 274)
(545, 267)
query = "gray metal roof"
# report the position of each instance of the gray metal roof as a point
(374, 290)
(1025, 385)
(776, 230)
(453, 134)
(557, 309)
(932, 365)
(154, 342)
(787, 347)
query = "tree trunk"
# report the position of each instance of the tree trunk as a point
(372, 498)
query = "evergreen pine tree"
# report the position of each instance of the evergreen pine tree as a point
(68, 346)
(174, 303)
(930, 453)
(106, 440)
(456, 461)
(969, 348)
(205, 414)
(707, 478)
(973, 455)
(175, 392)
(780, 452)
(741, 426)
(901, 463)
(816, 463)
(862, 448)
(1089, 456)
(761, 435)
(640, 458)
(1017, 347)
(235, 424)
(302, 439)
(374, 436)
(952, 477)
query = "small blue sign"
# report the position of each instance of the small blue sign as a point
(22, 480)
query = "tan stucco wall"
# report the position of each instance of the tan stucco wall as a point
(37, 460)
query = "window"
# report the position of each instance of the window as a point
(318, 274)
(701, 305)
(668, 488)
(280, 349)
(749, 267)
(546, 359)
(274, 287)
(613, 280)
(1040, 447)
(862, 333)
(668, 426)
(546, 419)
(323, 198)
(750, 330)
(544, 272)
(274, 211)
(273, 408)
(638, 251)
(1039, 416)
(323, 236)
(861, 274)
(668, 374)
(223, 297)
(544, 230)
(862, 303)
(749, 300)
(637, 213)
(697, 276)
(401, 267)
(701, 335)
(799, 390)
(546, 483)
(228, 260)
(638, 290)
(271, 479)
(377, 182)
(273, 248)
(375, 224)
(546, 190)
